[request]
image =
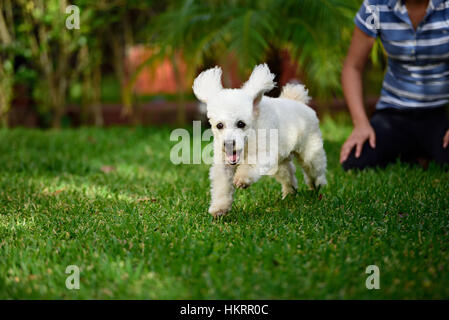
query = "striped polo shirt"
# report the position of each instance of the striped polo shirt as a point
(418, 60)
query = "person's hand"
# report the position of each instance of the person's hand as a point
(446, 139)
(357, 138)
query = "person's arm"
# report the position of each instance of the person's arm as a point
(358, 54)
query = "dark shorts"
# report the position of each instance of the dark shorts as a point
(404, 134)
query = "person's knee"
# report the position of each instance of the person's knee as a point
(442, 156)
(354, 163)
(369, 157)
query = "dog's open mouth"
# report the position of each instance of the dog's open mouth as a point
(232, 157)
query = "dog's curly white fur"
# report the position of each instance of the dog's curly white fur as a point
(234, 112)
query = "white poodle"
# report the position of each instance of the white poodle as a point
(243, 119)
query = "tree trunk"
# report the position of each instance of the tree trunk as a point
(6, 93)
(58, 112)
(6, 62)
(87, 86)
(58, 88)
(4, 107)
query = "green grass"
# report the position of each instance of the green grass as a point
(139, 227)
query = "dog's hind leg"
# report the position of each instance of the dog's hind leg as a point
(222, 190)
(286, 177)
(312, 158)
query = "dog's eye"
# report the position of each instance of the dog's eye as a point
(241, 124)
(220, 125)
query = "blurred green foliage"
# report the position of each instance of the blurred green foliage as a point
(57, 64)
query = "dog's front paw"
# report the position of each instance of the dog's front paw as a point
(242, 182)
(217, 211)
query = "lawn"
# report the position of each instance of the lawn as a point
(111, 202)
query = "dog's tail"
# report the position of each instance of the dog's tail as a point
(295, 91)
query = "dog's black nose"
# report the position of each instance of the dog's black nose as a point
(229, 144)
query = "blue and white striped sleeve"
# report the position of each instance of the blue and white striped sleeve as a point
(367, 18)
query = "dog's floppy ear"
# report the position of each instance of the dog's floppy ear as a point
(207, 84)
(260, 81)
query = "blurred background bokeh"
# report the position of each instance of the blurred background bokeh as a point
(132, 62)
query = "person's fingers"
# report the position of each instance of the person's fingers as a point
(446, 139)
(358, 149)
(345, 150)
(372, 139)
(343, 155)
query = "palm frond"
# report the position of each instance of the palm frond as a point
(314, 31)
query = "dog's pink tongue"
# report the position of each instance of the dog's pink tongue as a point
(233, 157)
